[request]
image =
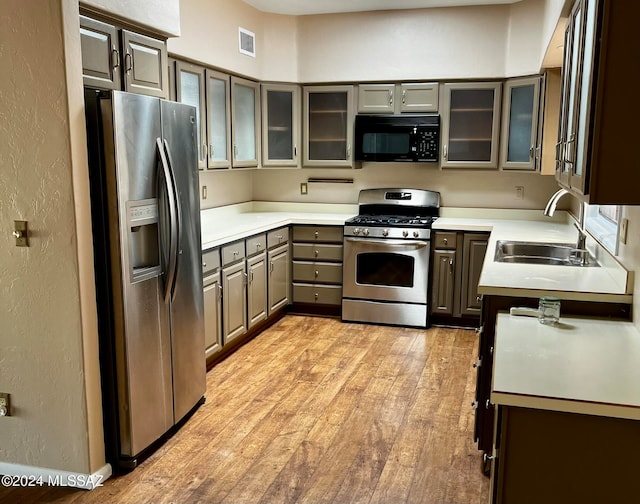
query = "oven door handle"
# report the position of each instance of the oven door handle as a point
(385, 243)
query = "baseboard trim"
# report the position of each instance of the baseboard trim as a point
(24, 476)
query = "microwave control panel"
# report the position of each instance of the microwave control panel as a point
(428, 145)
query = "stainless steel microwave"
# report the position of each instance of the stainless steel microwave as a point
(397, 138)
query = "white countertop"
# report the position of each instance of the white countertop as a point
(580, 365)
(609, 282)
(220, 226)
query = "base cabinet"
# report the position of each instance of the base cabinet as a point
(234, 301)
(257, 288)
(279, 278)
(317, 269)
(558, 457)
(456, 265)
(212, 294)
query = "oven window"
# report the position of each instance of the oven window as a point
(383, 268)
(385, 143)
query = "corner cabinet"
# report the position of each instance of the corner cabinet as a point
(245, 122)
(279, 269)
(328, 126)
(135, 63)
(595, 156)
(280, 125)
(519, 144)
(470, 124)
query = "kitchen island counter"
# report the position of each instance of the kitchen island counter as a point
(580, 365)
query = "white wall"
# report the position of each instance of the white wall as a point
(459, 188)
(444, 43)
(210, 36)
(159, 15)
(49, 359)
(524, 39)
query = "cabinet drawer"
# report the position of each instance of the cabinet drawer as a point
(210, 261)
(232, 253)
(277, 237)
(317, 272)
(317, 251)
(318, 294)
(318, 233)
(446, 240)
(256, 244)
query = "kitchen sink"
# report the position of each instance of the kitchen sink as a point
(560, 254)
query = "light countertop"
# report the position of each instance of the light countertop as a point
(580, 365)
(608, 283)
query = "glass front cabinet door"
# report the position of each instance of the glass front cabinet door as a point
(190, 90)
(245, 122)
(518, 145)
(470, 122)
(328, 126)
(280, 125)
(218, 119)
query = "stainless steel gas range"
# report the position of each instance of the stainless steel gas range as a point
(386, 257)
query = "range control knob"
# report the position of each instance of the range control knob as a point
(356, 231)
(405, 233)
(385, 232)
(365, 232)
(416, 234)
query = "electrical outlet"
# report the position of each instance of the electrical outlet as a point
(519, 192)
(204, 192)
(624, 224)
(304, 189)
(5, 404)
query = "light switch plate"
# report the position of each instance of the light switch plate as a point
(304, 189)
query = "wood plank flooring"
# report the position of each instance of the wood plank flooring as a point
(316, 411)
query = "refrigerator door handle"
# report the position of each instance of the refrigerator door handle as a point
(170, 266)
(177, 222)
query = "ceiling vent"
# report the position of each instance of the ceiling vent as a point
(247, 41)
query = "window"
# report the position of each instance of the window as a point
(603, 223)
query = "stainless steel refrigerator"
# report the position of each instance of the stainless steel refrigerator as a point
(146, 221)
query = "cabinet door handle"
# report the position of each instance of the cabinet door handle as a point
(404, 96)
(479, 299)
(474, 404)
(204, 151)
(531, 150)
(487, 405)
(486, 457)
(295, 151)
(477, 364)
(390, 97)
(128, 62)
(348, 150)
(444, 151)
(451, 266)
(271, 267)
(235, 151)
(115, 58)
(246, 277)
(219, 291)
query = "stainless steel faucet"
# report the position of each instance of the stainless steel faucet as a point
(582, 255)
(553, 202)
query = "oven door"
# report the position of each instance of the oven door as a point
(386, 270)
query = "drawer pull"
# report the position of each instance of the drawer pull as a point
(317, 253)
(316, 234)
(317, 273)
(235, 253)
(204, 264)
(316, 296)
(445, 241)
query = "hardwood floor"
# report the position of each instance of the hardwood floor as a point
(318, 411)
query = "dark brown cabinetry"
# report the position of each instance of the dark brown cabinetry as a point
(594, 158)
(491, 305)
(116, 58)
(456, 265)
